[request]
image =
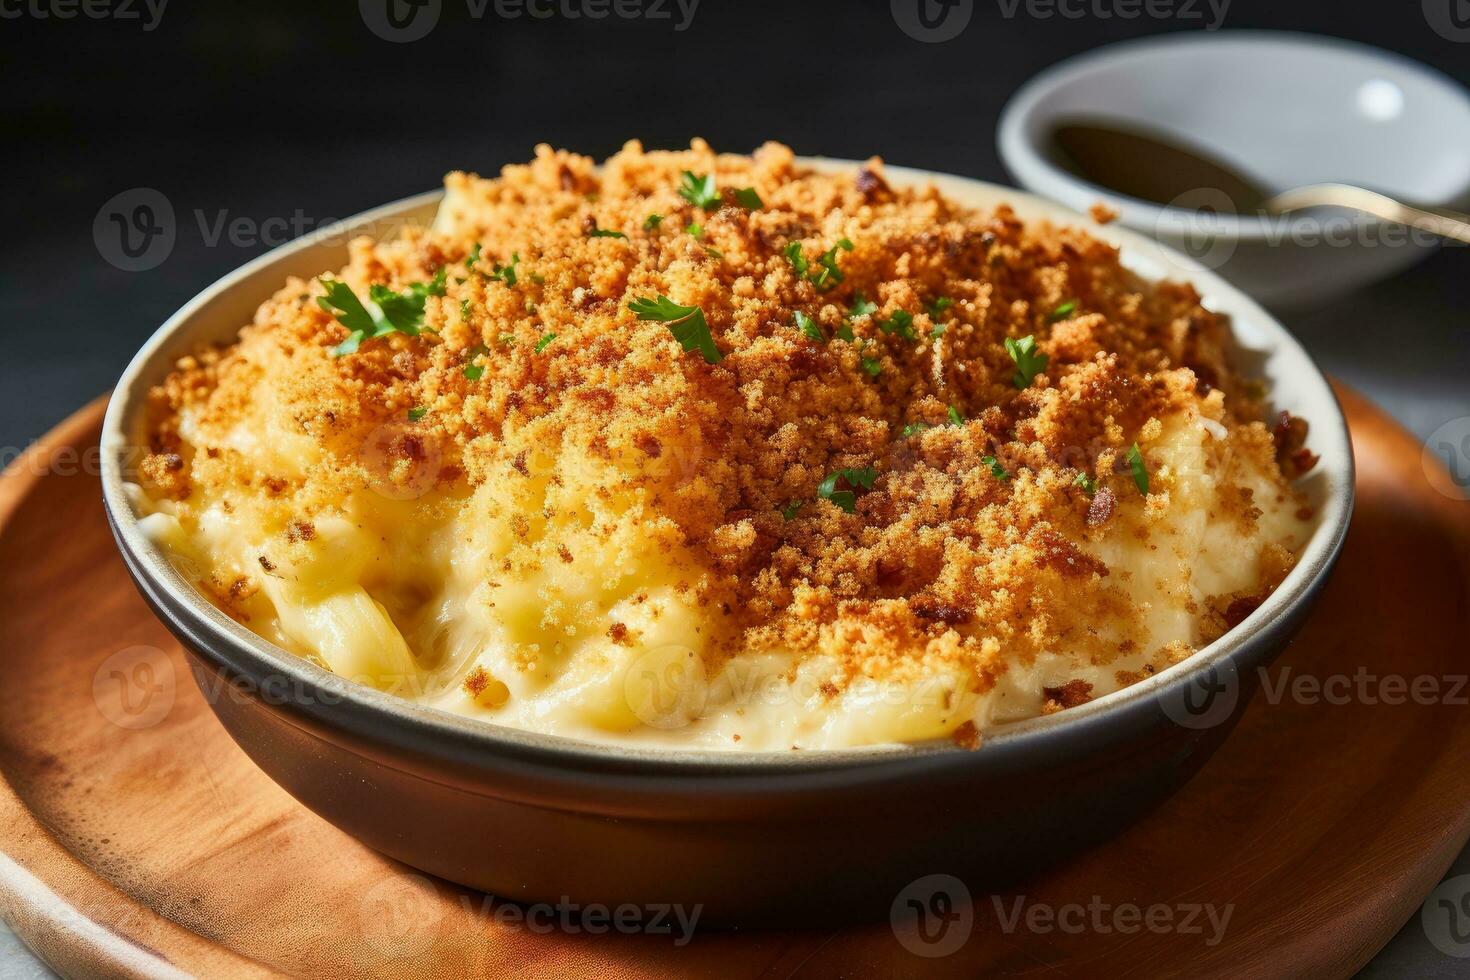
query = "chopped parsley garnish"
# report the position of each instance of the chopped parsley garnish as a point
(901, 323)
(996, 470)
(1087, 483)
(474, 371)
(1140, 472)
(464, 310)
(955, 418)
(789, 511)
(699, 191)
(415, 414)
(799, 264)
(861, 307)
(1029, 362)
(809, 327)
(385, 311)
(857, 478)
(746, 197)
(713, 253)
(936, 310)
(506, 273)
(914, 428)
(844, 332)
(1064, 311)
(604, 233)
(508, 339)
(696, 229)
(544, 342)
(538, 280)
(830, 274)
(686, 323)
(873, 366)
(652, 221)
(474, 256)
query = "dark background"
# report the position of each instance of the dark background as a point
(270, 109)
(273, 109)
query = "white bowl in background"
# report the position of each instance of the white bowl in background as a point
(1285, 109)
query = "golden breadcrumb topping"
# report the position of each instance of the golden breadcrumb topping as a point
(867, 469)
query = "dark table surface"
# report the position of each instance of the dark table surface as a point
(258, 121)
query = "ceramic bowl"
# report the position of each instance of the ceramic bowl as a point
(753, 838)
(1285, 109)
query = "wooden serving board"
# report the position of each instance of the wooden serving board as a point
(136, 839)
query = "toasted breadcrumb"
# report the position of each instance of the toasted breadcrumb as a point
(973, 538)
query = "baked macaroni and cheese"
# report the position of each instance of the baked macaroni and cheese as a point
(720, 451)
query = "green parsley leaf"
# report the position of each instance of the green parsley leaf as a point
(713, 253)
(844, 332)
(506, 273)
(798, 261)
(746, 197)
(1063, 311)
(415, 414)
(1029, 363)
(544, 342)
(789, 511)
(955, 418)
(936, 308)
(385, 311)
(686, 323)
(474, 371)
(1140, 472)
(474, 257)
(996, 470)
(696, 229)
(830, 274)
(1087, 483)
(809, 327)
(604, 233)
(464, 310)
(914, 428)
(652, 221)
(937, 331)
(538, 280)
(901, 323)
(872, 365)
(861, 307)
(861, 478)
(699, 191)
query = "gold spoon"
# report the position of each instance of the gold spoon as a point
(1154, 169)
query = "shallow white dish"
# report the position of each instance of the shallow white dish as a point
(1286, 109)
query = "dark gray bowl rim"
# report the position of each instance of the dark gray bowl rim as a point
(373, 717)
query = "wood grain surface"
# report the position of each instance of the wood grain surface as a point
(137, 840)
